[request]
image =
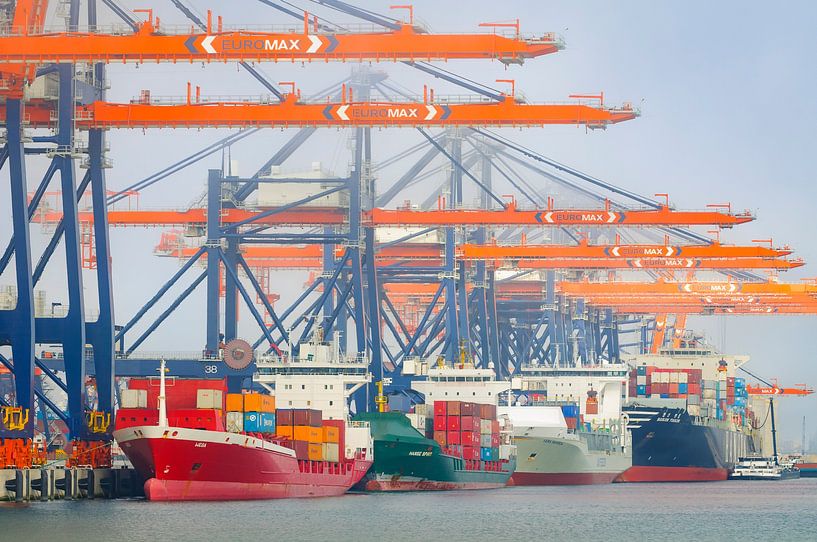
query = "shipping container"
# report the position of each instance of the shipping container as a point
(440, 437)
(235, 402)
(641, 381)
(487, 412)
(133, 399)
(494, 426)
(300, 448)
(331, 452)
(258, 402)
(453, 408)
(570, 411)
(469, 423)
(470, 453)
(440, 408)
(469, 438)
(209, 399)
(284, 417)
(641, 370)
(252, 422)
(266, 422)
(469, 409)
(485, 427)
(424, 410)
(315, 451)
(340, 425)
(440, 423)
(301, 416)
(453, 437)
(234, 422)
(453, 423)
(641, 389)
(331, 434)
(495, 440)
(485, 441)
(286, 431)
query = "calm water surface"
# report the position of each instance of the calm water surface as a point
(712, 511)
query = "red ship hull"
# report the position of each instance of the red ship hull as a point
(672, 474)
(194, 465)
(562, 478)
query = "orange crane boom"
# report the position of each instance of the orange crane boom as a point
(800, 390)
(154, 43)
(584, 250)
(660, 263)
(293, 113)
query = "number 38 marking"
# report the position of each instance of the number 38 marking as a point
(210, 369)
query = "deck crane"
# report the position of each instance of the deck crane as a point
(771, 391)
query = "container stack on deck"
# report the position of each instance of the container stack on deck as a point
(467, 430)
(194, 403)
(250, 413)
(311, 437)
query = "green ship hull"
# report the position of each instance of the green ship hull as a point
(405, 460)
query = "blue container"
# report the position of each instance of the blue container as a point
(570, 411)
(740, 401)
(641, 370)
(740, 382)
(682, 388)
(641, 389)
(252, 422)
(485, 454)
(266, 422)
(665, 396)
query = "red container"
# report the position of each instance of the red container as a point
(571, 423)
(469, 409)
(300, 416)
(300, 447)
(440, 423)
(487, 412)
(673, 388)
(469, 438)
(470, 453)
(453, 423)
(454, 408)
(453, 437)
(283, 417)
(440, 408)
(341, 425)
(467, 423)
(495, 441)
(132, 417)
(494, 426)
(649, 389)
(440, 437)
(730, 381)
(194, 418)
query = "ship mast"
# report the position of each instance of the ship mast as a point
(161, 400)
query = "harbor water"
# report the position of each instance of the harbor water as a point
(706, 511)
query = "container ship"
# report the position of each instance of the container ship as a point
(689, 416)
(568, 425)
(443, 444)
(190, 440)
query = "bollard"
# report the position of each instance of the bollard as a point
(18, 486)
(45, 484)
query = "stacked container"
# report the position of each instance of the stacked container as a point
(250, 413)
(467, 430)
(305, 430)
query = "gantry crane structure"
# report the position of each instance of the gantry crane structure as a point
(507, 282)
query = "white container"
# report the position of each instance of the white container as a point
(331, 452)
(235, 422)
(673, 377)
(641, 380)
(209, 399)
(424, 410)
(485, 427)
(708, 394)
(506, 451)
(133, 399)
(485, 441)
(683, 378)
(694, 410)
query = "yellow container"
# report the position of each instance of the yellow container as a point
(268, 404)
(315, 435)
(284, 431)
(235, 402)
(315, 452)
(331, 434)
(301, 432)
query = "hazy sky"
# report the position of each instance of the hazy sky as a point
(726, 90)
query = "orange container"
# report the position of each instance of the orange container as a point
(257, 402)
(315, 435)
(284, 431)
(315, 452)
(331, 434)
(235, 402)
(301, 432)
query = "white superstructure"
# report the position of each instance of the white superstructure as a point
(463, 382)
